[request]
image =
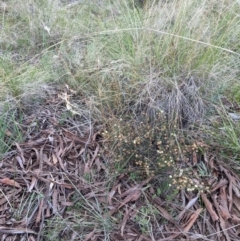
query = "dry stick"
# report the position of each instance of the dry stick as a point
(237, 225)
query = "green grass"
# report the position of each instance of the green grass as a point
(94, 46)
(10, 129)
(123, 58)
(234, 92)
(226, 137)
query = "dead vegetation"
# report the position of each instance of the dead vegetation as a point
(59, 184)
(180, 98)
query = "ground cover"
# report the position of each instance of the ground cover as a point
(119, 121)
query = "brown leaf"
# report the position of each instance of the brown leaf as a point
(37, 155)
(223, 204)
(230, 188)
(68, 204)
(79, 154)
(10, 182)
(164, 213)
(236, 201)
(235, 219)
(221, 183)
(71, 136)
(209, 207)
(61, 162)
(194, 157)
(86, 168)
(135, 188)
(55, 200)
(31, 238)
(47, 159)
(9, 195)
(59, 148)
(90, 235)
(223, 226)
(125, 218)
(33, 182)
(48, 212)
(236, 190)
(189, 205)
(35, 143)
(133, 196)
(20, 162)
(40, 211)
(94, 155)
(111, 194)
(8, 230)
(54, 158)
(21, 152)
(192, 220)
(202, 144)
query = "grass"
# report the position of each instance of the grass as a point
(10, 129)
(125, 58)
(225, 134)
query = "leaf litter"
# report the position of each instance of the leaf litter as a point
(61, 164)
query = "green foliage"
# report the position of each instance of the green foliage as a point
(53, 229)
(224, 137)
(143, 217)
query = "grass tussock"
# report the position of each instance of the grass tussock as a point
(97, 46)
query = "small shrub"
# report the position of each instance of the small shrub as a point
(150, 146)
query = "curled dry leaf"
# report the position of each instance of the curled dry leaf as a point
(54, 159)
(230, 178)
(111, 194)
(189, 205)
(33, 182)
(133, 196)
(40, 211)
(223, 204)
(20, 162)
(209, 207)
(219, 184)
(223, 226)
(21, 152)
(94, 155)
(125, 218)
(236, 190)
(192, 219)
(10, 182)
(90, 235)
(164, 213)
